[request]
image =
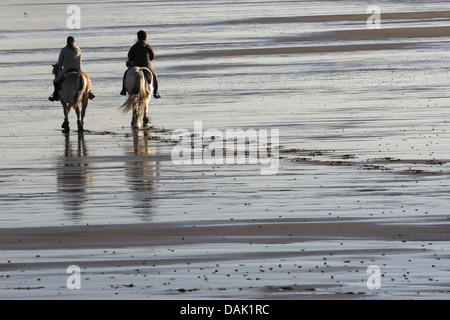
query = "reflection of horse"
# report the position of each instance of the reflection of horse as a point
(141, 173)
(139, 85)
(75, 89)
(74, 176)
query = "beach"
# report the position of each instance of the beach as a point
(362, 164)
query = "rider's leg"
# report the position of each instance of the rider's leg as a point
(59, 77)
(55, 95)
(155, 84)
(124, 91)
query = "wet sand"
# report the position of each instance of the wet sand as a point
(197, 232)
(363, 177)
(146, 254)
(252, 257)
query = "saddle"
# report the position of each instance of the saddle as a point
(72, 70)
(148, 74)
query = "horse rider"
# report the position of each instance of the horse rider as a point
(69, 60)
(140, 55)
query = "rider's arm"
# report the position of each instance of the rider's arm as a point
(151, 53)
(131, 54)
(60, 60)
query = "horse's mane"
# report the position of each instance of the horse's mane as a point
(55, 68)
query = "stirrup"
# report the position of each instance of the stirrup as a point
(53, 98)
(91, 96)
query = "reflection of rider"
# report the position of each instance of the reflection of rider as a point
(69, 60)
(140, 55)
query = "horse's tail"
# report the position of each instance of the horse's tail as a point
(82, 84)
(137, 100)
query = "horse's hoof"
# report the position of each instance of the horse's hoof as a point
(80, 126)
(66, 130)
(65, 125)
(146, 122)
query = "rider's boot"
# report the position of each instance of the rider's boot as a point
(155, 88)
(55, 95)
(124, 91)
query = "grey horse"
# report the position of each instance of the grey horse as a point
(75, 89)
(139, 86)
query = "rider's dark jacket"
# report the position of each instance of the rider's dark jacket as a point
(141, 54)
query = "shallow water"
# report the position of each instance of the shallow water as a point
(363, 124)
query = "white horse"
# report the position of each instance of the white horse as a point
(74, 90)
(139, 85)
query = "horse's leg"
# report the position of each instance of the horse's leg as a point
(136, 121)
(83, 112)
(133, 118)
(80, 125)
(147, 119)
(65, 124)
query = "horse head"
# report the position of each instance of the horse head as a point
(55, 69)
